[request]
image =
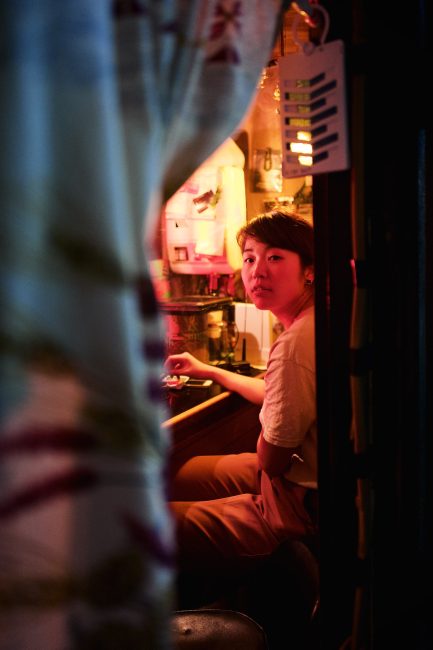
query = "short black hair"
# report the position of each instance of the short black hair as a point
(281, 230)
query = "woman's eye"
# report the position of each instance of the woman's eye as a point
(273, 258)
(248, 260)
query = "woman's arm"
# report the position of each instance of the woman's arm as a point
(251, 388)
(273, 459)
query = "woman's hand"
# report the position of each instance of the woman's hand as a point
(187, 364)
(252, 388)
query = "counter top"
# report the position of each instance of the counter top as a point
(211, 421)
(186, 398)
(181, 401)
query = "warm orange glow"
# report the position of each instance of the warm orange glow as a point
(303, 135)
(301, 147)
(307, 161)
(298, 121)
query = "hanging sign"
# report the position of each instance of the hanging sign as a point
(313, 110)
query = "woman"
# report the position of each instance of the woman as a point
(236, 509)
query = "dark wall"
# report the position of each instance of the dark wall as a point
(386, 196)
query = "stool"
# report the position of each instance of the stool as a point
(216, 629)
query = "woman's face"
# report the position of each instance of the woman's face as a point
(273, 277)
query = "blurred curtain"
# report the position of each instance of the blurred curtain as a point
(107, 107)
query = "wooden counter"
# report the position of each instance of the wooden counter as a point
(226, 423)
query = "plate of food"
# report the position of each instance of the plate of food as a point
(174, 381)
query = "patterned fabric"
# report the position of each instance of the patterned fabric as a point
(107, 108)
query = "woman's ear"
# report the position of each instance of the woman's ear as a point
(309, 276)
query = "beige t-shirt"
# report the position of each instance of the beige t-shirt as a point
(288, 414)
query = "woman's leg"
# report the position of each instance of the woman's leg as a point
(200, 488)
(212, 477)
(225, 509)
(224, 526)
(218, 541)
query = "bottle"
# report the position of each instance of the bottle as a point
(214, 341)
(229, 335)
(214, 335)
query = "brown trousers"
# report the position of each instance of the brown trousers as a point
(228, 512)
